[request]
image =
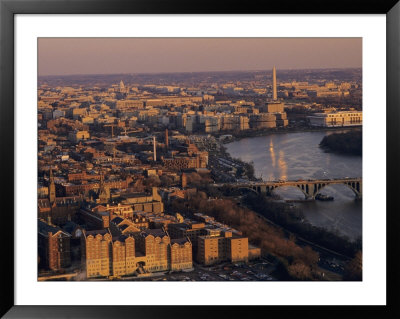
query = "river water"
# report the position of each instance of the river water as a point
(293, 156)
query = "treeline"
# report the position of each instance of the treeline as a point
(293, 220)
(245, 168)
(294, 262)
(346, 143)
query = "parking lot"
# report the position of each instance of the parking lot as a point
(259, 270)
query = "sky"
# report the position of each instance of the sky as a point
(64, 56)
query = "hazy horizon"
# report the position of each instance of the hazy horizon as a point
(108, 56)
(171, 72)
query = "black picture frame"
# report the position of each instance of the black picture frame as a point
(9, 8)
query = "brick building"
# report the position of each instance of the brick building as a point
(191, 230)
(82, 187)
(181, 254)
(95, 219)
(82, 176)
(123, 256)
(153, 243)
(53, 246)
(97, 253)
(214, 249)
(142, 202)
(151, 250)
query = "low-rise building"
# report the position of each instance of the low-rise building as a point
(76, 136)
(334, 119)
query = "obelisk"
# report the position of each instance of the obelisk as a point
(274, 92)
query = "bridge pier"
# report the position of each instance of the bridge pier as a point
(263, 190)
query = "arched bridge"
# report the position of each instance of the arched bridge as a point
(310, 188)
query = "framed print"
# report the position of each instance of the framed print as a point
(161, 159)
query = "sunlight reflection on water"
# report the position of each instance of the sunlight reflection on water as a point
(293, 156)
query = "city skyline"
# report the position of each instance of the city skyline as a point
(163, 159)
(59, 56)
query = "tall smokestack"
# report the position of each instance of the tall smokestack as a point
(274, 94)
(154, 149)
(166, 138)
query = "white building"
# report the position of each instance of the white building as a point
(335, 119)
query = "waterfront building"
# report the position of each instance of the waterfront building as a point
(336, 119)
(262, 121)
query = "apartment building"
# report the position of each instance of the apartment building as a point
(53, 246)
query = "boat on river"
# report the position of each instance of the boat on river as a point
(323, 197)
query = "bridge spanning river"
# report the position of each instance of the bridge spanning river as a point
(310, 188)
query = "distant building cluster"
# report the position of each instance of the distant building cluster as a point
(78, 110)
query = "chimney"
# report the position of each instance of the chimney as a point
(183, 180)
(154, 149)
(166, 138)
(274, 92)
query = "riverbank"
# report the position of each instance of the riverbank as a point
(293, 220)
(349, 143)
(281, 130)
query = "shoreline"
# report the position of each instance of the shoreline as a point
(262, 133)
(226, 154)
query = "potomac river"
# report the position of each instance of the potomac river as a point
(293, 156)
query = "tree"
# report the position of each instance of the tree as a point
(353, 269)
(239, 172)
(166, 180)
(300, 271)
(152, 181)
